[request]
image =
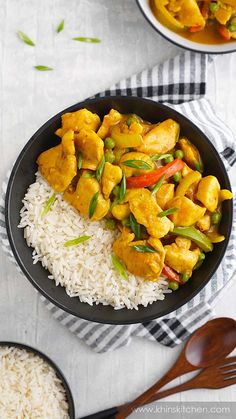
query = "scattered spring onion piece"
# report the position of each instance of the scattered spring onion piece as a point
(119, 266)
(93, 204)
(216, 217)
(48, 205)
(158, 185)
(86, 39)
(25, 38)
(157, 157)
(110, 224)
(137, 164)
(114, 203)
(144, 249)
(80, 160)
(76, 241)
(135, 227)
(100, 169)
(116, 190)
(196, 236)
(167, 212)
(122, 191)
(200, 260)
(89, 175)
(126, 222)
(43, 68)
(60, 26)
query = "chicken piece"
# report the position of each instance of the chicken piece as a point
(58, 164)
(111, 119)
(91, 147)
(121, 211)
(183, 242)
(165, 194)
(161, 139)
(80, 199)
(111, 176)
(186, 170)
(190, 14)
(187, 212)
(130, 171)
(180, 259)
(78, 120)
(145, 209)
(204, 223)
(146, 265)
(208, 192)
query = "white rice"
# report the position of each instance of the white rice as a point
(29, 387)
(85, 270)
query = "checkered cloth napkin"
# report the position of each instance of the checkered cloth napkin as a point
(181, 83)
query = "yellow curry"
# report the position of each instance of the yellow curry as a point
(205, 21)
(147, 181)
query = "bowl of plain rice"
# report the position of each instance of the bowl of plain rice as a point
(31, 385)
(81, 279)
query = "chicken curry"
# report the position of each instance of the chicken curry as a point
(147, 181)
(209, 22)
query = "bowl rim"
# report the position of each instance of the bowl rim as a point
(178, 44)
(94, 317)
(51, 363)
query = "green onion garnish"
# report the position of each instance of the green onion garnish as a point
(158, 185)
(122, 188)
(119, 266)
(48, 205)
(76, 241)
(86, 39)
(137, 164)
(167, 212)
(43, 68)
(100, 169)
(135, 227)
(93, 204)
(80, 160)
(60, 26)
(157, 157)
(25, 38)
(144, 249)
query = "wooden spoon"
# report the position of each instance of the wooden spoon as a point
(207, 345)
(210, 343)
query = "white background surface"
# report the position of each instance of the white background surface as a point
(27, 99)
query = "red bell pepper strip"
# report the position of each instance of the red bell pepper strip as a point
(152, 178)
(224, 32)
(171, 274)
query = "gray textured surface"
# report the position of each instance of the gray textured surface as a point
(27, 99)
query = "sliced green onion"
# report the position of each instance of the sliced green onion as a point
(114, 203)
(43, 68)
(122, 191)
(158, 185)
(93, 204)
(126, 222)
(135, 227)
(76, 241)
(23, 37)
(119, 266)
(80, 160)
(89, 175)
(167, 212)
(86, 39)
(100, 169)
(156, 157)
(60, 26)
(48, 205)
(137, 164)
(144, 249)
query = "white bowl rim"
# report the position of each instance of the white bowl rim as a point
(179, 40)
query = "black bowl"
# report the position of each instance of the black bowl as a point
(23, 174)
(54, 366)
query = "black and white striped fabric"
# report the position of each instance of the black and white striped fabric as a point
(181, 83)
